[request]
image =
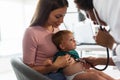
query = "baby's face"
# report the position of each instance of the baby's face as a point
(69, 42)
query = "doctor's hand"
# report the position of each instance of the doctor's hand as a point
(93, 61)
(104, 39)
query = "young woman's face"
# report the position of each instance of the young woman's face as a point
(69, 42)
(56, 17)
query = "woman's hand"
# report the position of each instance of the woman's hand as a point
(62, 61)
(48, 62)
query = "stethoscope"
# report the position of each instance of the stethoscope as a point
(107, 50)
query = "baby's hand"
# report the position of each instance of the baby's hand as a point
(48, 62)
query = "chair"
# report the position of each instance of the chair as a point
(24, 72)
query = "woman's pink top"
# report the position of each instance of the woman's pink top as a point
(37, 46)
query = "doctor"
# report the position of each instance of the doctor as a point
(104, 12)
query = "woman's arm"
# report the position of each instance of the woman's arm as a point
(45, 69)
(60, 62)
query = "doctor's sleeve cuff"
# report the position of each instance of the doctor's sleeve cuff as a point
(118, 50)
(116, 60)
(114, 49)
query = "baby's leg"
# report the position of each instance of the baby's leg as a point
(90, 75)
(103, 74)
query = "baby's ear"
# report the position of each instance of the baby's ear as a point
(62, 46)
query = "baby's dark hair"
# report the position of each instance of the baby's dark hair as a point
(58, 37)
(84, 4)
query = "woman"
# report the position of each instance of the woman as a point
(37, 43)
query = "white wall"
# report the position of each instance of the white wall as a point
(83, 30)
(14, 18)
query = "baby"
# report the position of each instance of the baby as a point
(65, 42)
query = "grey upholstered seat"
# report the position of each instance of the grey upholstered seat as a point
(24, 72)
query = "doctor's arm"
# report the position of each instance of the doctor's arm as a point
(98, 61)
